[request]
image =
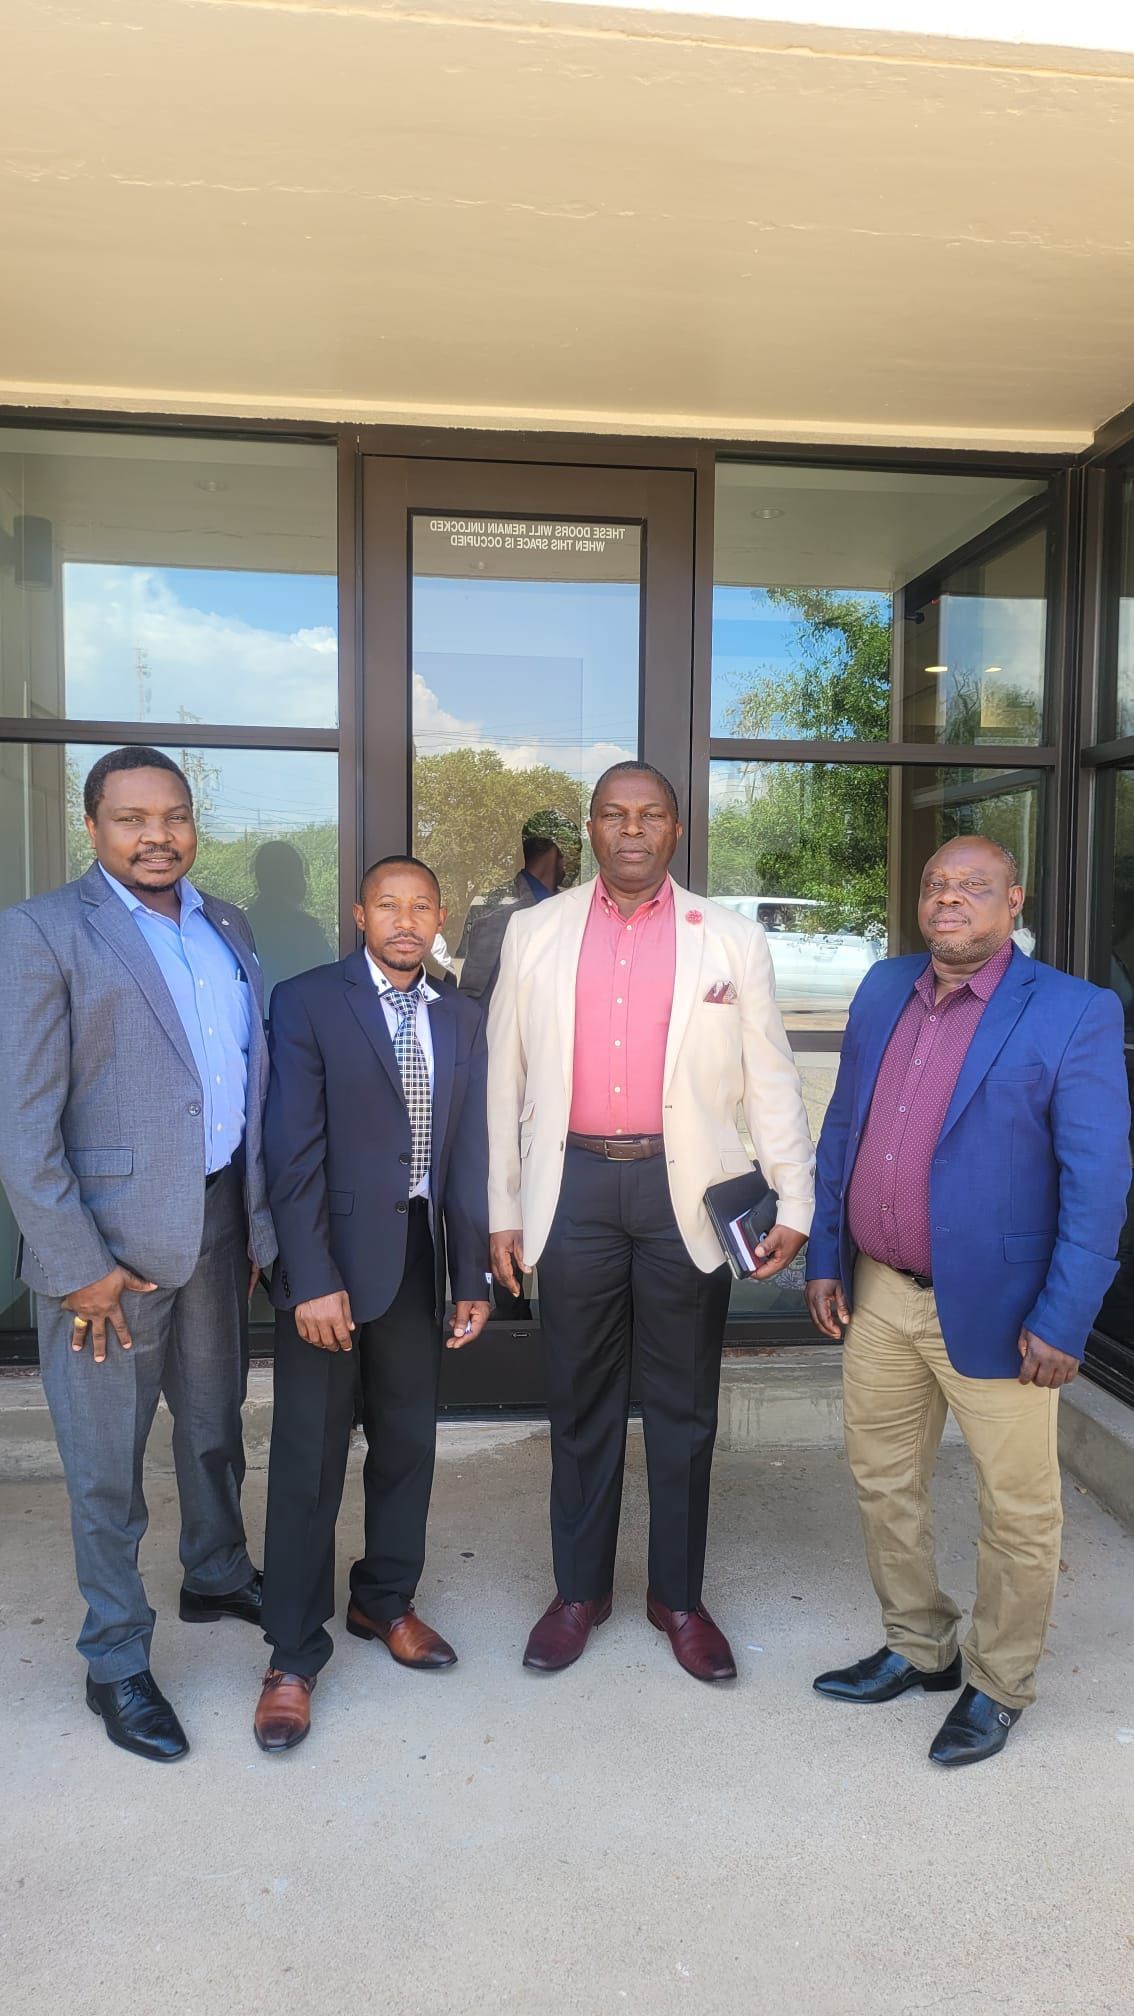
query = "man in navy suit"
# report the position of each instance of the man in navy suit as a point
(971, 1185)
(376, 1147)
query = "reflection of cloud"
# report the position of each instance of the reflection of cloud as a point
(224, 668)
(435, 730)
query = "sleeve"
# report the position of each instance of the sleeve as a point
(466, 1191)
(35, 1082)
(507, 1079)
(773, 1096)
(1090, 1124)
(824, 1258)
(295, 1148)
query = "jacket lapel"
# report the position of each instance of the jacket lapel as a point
(571, 911)
(220, 917)
(371, 1016)
(113, 922)
(1000, 1017)
(443, 1030)
(689, 947)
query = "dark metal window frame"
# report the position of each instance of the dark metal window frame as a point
(1070, 758)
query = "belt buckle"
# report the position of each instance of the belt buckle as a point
(607, 1146)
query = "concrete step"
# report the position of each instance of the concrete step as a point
(778, 1398)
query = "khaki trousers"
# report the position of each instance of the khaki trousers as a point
(898, 1385)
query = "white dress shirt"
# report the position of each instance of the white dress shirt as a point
(424, 1033)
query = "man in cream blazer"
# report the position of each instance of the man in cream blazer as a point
(631, 1023)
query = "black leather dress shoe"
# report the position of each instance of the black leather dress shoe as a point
(137, 1716)
(243, 1603)
(884, 1676)
(976, 1727)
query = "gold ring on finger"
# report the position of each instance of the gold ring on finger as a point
(81, 1322)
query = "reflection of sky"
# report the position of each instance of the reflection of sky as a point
(262, 792)
(227, 645)
(546, 671)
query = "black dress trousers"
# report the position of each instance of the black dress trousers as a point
(615, 1272)
(397, 1357)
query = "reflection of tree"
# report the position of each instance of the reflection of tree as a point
(815, 830)
(468, 814)
(969, 701)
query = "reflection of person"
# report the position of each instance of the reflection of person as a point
(132, 1074)
(288, 939)
(377, 1153)
(972, 1176)
(542, 875)
(629, 1022)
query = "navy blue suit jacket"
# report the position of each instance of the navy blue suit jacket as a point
(337, 1143)
(1028, 1186)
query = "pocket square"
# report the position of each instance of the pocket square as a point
(722, 993)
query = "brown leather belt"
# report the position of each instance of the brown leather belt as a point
(622, 1148)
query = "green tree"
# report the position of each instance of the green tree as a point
(468, 814)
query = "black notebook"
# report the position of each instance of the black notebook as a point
(742, 1210)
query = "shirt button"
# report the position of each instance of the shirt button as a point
(885, 1207)
(200, 983)
(210, 1033)
(618, 1088)
(933, 1018)
(901, 1109)
(220, 1080)
(617, 1045)
(629, 927)
(618, 998)
(917, 1060)
(889, 1158)
(194, 1109)
(622, 962)
(618, 1130)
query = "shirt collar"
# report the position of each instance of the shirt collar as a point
(386, 986)
(983, 983)
(191, 898)
(605, 901)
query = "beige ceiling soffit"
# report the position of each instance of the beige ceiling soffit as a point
(696, 426)
(568, 21)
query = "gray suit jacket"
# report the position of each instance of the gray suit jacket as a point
(102, 1149)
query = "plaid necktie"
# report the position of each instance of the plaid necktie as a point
(415, 1078)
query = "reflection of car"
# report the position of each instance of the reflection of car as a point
(815, 970)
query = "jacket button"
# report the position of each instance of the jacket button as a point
(405, 1159)
(194, 1109)
(400, 1206)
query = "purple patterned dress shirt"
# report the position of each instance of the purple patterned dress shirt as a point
(888, 1200)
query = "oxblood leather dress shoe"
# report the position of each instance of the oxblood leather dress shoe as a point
(243, 1603)
(976, 1727)
(560, 1637)
(406, 1638)
(283, 1712)
(699, 1645)
(885, 1675)
(137, 1716)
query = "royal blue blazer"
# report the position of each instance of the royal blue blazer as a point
(1027, 1193)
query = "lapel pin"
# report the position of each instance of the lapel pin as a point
(694, 917)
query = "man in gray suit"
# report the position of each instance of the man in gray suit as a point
(133, 1068)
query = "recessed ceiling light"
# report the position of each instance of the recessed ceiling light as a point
(210, 484)
(937, 668)
(767, 511)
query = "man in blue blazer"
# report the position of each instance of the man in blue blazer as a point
(971, 1186)
(376, 1146)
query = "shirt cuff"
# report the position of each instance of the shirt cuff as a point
(796, 1213)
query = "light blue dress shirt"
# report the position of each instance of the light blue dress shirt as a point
(214, 1005)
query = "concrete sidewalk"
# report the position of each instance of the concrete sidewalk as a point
(615, 1839)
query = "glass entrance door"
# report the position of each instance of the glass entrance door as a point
(523, 628)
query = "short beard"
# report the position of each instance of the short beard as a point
(965, 952)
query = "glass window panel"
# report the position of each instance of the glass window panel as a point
(525, 663)
(878, 605)
(1114, 967)
(268, 826)
(147, 579)
(828, 857)
(1117, 710)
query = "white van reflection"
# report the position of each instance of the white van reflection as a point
(819, 970)
(814, 969)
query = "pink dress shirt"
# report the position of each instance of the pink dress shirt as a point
(888, 1199)
(623, 1000)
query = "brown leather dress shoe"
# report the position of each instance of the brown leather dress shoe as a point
(562, 1632)
(406, 1638)
(283, 1712)
(698, 1644)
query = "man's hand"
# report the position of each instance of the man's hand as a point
(777, 1249)
(101, 1303)
(827, 1307)
(1042, 1364)
(506, 1254)
(468, 1320)
(254, 1280)
(326, 1321)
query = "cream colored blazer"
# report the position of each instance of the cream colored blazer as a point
(722, 1056)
